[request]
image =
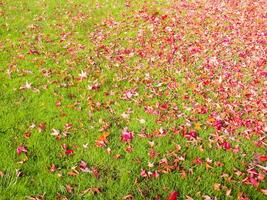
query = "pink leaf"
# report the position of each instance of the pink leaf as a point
(22, 149)
(83, 166)
(126, 136)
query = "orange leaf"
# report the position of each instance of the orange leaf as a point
(104, 136)
(211, 120)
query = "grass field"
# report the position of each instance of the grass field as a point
(116, 99)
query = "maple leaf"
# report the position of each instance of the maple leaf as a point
(198, 126)
(226, 145)
(21, 149)
(68, 126)
(94, 190)
(73, 173)
(126, 135)
(173, 196)
(69, 188)
(216, 186)
(82, 75)
(27, 135)
(1, 174)
(264, 191)
(95, 86)
(26, 86)
(263, 158)
(128, 197)
(83, 166)
(69, 152)
(38, 197)
(102, 140)
(58, 103)
(104, 137)
(143, 173)
(53, 168)
(55, 132)
(95, 172)
(41, 127)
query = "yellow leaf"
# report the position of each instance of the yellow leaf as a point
(198, 126)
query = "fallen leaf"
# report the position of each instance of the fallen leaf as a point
(94, 190)
(173, 196)
(69, 188)
(264, 191)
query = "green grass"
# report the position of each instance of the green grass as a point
(40, 25)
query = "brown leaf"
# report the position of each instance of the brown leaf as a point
(228, 192)
(128, 197)
(1, 174)
(69, 188)
(73, 173)
(189, 198)
(39, 197)
(27, 135)
(94, 190)
(264, 191)
(18, 173)
(61, 197)
(208, 166)
(96, 173)
(117, 156)
(216, 186)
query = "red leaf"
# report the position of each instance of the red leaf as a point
(164, 17)
(69, 152)
(226, 145)
(164, 106)
(173, 196)
(41, 127)
(198, 161)
(263, 158)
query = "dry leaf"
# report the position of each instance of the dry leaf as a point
(94, 190)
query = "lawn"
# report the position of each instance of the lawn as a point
(117, 99)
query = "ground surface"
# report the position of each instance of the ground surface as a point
(119, 100)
